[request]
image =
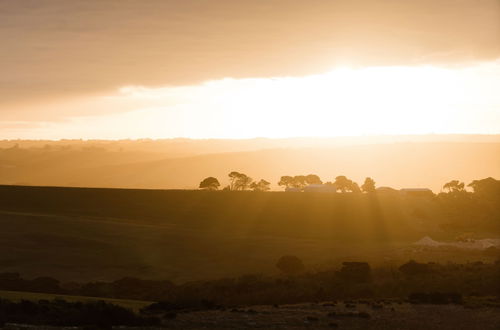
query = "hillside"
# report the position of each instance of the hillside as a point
(416, 164)
(91, 234)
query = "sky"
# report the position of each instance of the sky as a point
(242, 69)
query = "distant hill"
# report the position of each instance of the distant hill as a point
(402, 164)
(183, 147)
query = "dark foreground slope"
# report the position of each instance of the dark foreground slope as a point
(89, 234)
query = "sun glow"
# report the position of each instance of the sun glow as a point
(349, 102)
(344, 101)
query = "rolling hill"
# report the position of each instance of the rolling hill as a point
(412, 164)
(106, 234)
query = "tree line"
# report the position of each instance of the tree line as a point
(487, 186)
(240, 182)
(237, 181)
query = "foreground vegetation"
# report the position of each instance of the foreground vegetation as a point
(354, 296)
(17, 296)
(352, 281)
(384, 314)
(63, 313)
(474, 313)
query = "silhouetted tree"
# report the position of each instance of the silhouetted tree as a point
(262, 185)
(243, 182)
(342, 183)
(233, 177)
(355, 187)
(486, 187)
(239, 181)
(286, 181)
(313, 179)
(210, 183)
(369, 185)
(454, 186)
(290, 265)
(299, 181)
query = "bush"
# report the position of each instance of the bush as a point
(358, 272)
(413, 268)
(290, 265)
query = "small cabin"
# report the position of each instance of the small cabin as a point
(320, 188)
(386, 190)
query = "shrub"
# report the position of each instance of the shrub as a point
(413, 268)
(290, 265)
(359, 272)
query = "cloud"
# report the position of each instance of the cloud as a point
(59, 48)
(344, 101)
(20, 125)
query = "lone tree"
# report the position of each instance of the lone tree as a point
(368, 186)
(454, 186)
(262, 185)
(210, 183)
(290, 265)
(239, 181)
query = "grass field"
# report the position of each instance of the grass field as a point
(88, 234)
(135, 305)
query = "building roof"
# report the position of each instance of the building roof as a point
(416, 189)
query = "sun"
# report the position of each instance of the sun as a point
(344, 101)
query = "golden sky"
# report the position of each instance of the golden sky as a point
(234, 69)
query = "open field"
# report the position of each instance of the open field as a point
(105, 234)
